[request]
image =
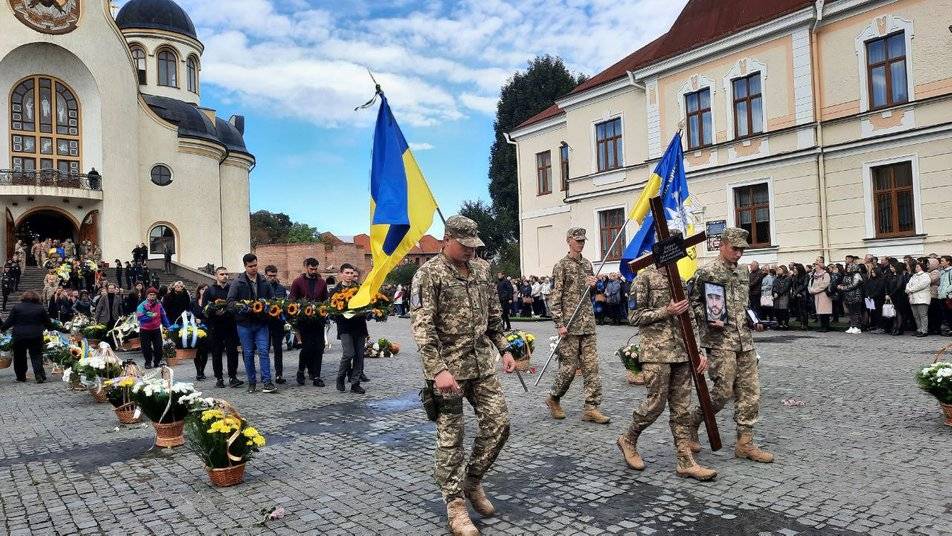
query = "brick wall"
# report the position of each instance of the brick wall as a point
(289, 258)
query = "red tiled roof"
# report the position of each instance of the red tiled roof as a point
(330, 239)
(700, 22)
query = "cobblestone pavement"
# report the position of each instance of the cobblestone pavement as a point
(867, 453)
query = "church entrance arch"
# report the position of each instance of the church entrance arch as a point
(40, 224)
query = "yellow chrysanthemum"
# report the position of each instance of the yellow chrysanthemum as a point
(250, 431)
(210, 414)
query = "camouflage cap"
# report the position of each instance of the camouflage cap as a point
(736, 237)
(464, 231)
(576, 233)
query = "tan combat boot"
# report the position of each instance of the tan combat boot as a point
(593, 415)
(554, 408)
(458, 519)
(688, 468)
(694, 443)
(745, 448)
(629, 449)
(473, 490)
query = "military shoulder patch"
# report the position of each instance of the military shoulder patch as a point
(415, 300)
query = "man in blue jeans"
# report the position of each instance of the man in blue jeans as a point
(253, 332)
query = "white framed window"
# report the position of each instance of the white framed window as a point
(750, 206)
(746, 99)
(883, 73)
(892, 198)
(608, 151)
(696, 106)
(609, 223)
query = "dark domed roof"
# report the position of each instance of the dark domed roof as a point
(193, 123)
(156, 15)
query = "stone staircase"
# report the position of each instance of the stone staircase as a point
(32, 279)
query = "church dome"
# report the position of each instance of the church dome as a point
(156, 15)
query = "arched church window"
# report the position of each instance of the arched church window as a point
(159, 237)
(168, 68)
(161, 175)
(193, 74)
(45, 126)
(138, 55)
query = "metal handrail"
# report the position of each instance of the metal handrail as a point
(50, 177)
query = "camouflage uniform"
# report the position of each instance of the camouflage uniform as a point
(457, 324)
(730, 350)
(664, 358)
(577, 349)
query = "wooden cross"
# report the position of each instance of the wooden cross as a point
(687, 333)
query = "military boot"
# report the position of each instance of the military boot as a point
(593, 415)
(629, 449)
(745, 448)
(688, 468)
(457, 517)
(694, 443)
(473, 490)
(554, 408)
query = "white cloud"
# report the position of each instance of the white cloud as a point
(420, 146)
(437, 62)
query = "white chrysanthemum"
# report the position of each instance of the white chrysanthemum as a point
(67, 374)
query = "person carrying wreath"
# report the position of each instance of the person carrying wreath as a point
(352, 333)
(310, 286)
(252, 331)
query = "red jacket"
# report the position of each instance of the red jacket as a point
(301, 289)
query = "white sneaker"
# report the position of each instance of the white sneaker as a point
(850, 330)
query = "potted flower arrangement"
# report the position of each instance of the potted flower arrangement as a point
(381, 348)
(6, 349)
(79, 322)
(224, 441)
(630, 356)
(186, 338)
(170, 353)
(96, 366)
(126, 334)
(936, 379)
(95, 333)
(162, 402)
(521, 345)
(119, 393)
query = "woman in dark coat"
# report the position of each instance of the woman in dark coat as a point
(28, 319)
(176, 302)
(781, 297)
(201, 352)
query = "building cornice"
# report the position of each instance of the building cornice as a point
(201, 148)
(598, 91)
(545, 124)
(138, 33)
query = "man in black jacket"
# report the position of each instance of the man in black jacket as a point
(276, 326)
(352, 333)
(223, 335)
(252, 329)
(504, 289)
(28, 320)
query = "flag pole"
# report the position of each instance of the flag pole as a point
(578, 307)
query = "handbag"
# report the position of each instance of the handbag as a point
(870, 304)
(766, 300)
(889, 310)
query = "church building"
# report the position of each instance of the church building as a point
(103, 136)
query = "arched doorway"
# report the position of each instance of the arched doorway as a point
(42, 224)
(160, 237)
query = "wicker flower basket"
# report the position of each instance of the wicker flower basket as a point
(5, 360)
(947, 409)
(99, 395)
(181, 354)
(126, 413)
(169, 435)
(131, 345)
(227, 476)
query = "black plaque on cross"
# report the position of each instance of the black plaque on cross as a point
(665, 255)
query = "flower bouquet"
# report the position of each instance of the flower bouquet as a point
(936, 379)
(6, 349)
(310, 312)
(521, 344)
(188, 336)
(169, 353)
(381, 348)
(78, 323)
(253, 309)
(119, 393)
(126, 333)
(224, 441)
(165, 404)
(216, 308)
(378, 308)
(630, 356)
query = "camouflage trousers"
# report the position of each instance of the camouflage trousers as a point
(492, 418)
(735, 376)
(671, 383)
(578, 352)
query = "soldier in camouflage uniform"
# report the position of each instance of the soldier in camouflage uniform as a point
(730, 345)
(457, 324)
(667, 370)
(572, 278)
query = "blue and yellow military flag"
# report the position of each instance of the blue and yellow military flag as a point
(401, 204)
(669, 181)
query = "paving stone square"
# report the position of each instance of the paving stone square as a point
(866, 453)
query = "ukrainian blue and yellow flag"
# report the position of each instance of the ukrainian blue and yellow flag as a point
(669, 181)
(401, 204)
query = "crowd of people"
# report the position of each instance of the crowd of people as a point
(876, 294)
(529, 297)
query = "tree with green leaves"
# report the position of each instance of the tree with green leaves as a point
(524, 95)
(269, 227)
(301, 233)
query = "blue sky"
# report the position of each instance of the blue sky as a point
(297, 68)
